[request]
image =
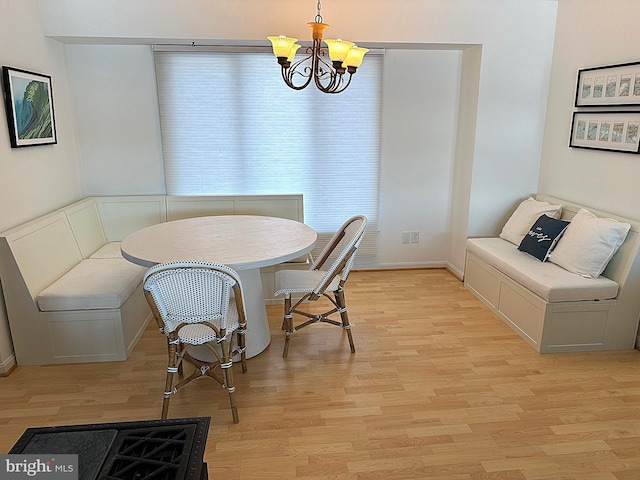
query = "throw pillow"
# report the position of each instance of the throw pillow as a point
(524, 216)
(588, 244)
(542, 237)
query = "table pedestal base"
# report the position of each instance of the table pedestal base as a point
(257, 336)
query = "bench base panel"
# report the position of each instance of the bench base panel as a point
(547, 327)
(84, 336)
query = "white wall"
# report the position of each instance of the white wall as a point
(33, 180)
(116, 108)
(604, 180)
(463, 163)
(511, 97)
(121, 151)
(417, 155)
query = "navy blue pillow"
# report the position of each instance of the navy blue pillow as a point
(542, 237)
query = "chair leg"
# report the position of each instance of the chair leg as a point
(342, 308)
(240, 338)
(178, 349)
(169, 382)
(227, 375)
(288, 324)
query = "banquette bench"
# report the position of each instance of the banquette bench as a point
(552, 309)
(69, 294)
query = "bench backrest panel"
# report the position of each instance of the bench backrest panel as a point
(122, 215)
(85, 222)
(289, 207)
(37, 253)
(43, 250)
(283, 206)
(179, 207)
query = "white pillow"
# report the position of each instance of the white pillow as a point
(588, 244)
(525, 216)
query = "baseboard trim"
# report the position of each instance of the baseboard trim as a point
(8, 366)
(456, 272)
(400, 265)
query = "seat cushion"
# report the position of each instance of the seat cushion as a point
(108, 250)
(92, 284)
(302, 281)
(547, 280)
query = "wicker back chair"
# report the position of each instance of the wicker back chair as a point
(322, 281)
(198, 306)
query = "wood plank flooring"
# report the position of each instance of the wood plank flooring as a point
(439, 388)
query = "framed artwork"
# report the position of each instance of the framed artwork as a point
(29, 105)
(615, 85)
(613, 131)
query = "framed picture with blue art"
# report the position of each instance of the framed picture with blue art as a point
(614, 131)
(29, 105)
(612, 85)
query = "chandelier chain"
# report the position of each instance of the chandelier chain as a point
(318, 18)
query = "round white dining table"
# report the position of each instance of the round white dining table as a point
(243, 242)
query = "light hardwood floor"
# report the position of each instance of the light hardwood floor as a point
(438, 388)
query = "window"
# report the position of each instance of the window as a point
(231, 126)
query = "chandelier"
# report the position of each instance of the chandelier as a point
(345, 57)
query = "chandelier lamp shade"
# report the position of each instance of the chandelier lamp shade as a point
(332, 77)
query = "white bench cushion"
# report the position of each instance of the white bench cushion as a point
(91, 285)
(545, 279)
(108, 250)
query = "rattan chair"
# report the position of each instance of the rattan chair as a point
(317, 282)
(199, 306)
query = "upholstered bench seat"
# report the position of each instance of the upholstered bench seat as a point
(108, 250)
(95, 283)
(71, 297)
(545, 279)
(552, 308)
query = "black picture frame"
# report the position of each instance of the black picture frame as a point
(611, 131)
(29, 105)
(609, 86)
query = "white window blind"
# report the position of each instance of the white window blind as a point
(231, 126)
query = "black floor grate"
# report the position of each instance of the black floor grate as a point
(170, 449)
(156, 453)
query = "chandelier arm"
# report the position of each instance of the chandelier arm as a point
(323, 69)
(288, 73)
(317, 61)
(295, 64)
(336, 85)
(344, 87)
